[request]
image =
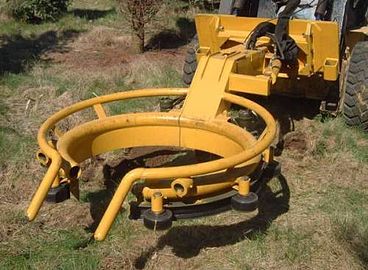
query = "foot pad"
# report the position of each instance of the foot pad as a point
(246, 203)
(155, 221)
(58, 194)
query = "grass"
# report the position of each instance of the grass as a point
(336, 137)
(14, 147)
(349, 215)
(323, 225)
(14, 81)
(39, 253)
(71, 20)
(161, 76)
(3, 108)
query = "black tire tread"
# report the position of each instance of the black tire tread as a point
(190, 65)
(355, 106)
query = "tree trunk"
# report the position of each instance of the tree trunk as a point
(138, 36)
(137, 43)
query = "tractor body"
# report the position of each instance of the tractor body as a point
(321, 69)
(313, 74)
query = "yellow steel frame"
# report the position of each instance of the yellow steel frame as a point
(226, 34)
(240, 151)
(200, 124)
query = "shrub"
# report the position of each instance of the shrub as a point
(36, 11)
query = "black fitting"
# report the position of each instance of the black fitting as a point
(246, 203)
(153, 221)
(273, 169)
(58, 194)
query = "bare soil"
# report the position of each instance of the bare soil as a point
(103, 48)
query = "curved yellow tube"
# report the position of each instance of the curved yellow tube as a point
(189, 170)
(51, 153)
(152, 173)
(46, 183)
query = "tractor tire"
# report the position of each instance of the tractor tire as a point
(190, 63)
(355, 101)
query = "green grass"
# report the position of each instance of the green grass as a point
(155, 75)
(14, 146)
(167, 77)
(40, 75)
(133, 105)
(33, 245)
(297, 245)
(14, 81)
(96, 88)
(12, 28)
(288, 246)
(337, 137)
(159, 76)
(68, 21)
(348, 210)
(3, 108)
(60, 251)
(248, 252)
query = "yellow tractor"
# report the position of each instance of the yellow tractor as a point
(330, 65)
(325, 60)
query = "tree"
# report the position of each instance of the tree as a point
(36, 11)
(139, 13)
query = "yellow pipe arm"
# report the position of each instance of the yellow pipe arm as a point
(45, 185)
(116, 202)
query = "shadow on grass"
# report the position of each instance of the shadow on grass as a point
(171, 39)
(357, 240)
(91, 14)
(188, 241)
(17, 52)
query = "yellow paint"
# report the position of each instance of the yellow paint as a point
(249, 70)
(224, 67)
(330, 69)
(182, 186)
(257, 85)
(243, 185)
(100, 111)
(236, 146)
(157, 203)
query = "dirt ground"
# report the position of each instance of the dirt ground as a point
(103, 48)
